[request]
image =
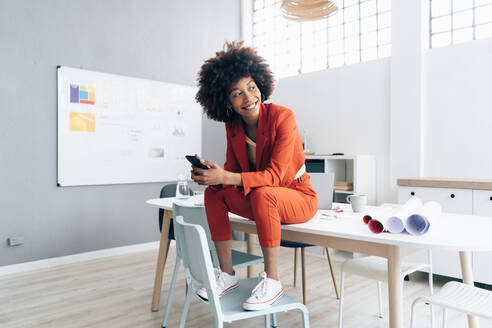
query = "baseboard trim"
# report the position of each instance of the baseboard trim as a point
(55, 261)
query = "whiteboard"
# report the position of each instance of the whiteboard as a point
(116, 129)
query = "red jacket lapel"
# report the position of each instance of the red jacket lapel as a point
(238, 142)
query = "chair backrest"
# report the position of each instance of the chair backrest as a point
(167, 191)
(197, 215)
(192, 240)
(323, 185)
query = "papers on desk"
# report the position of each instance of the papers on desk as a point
(413, 217)
(328, 215)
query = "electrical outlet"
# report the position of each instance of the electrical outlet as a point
(15, 241)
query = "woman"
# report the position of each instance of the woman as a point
(264, 174)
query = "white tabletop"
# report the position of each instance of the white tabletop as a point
(456, 232)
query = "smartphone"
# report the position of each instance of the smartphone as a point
(196, 161)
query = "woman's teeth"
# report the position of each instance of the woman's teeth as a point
(252, 106)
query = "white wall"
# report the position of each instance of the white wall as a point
(345, 110)
(458, 111)
(422, 112)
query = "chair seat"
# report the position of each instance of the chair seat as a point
(293, 244)
(232, 302)
(241, 259)
(375, 267)
(464, 298)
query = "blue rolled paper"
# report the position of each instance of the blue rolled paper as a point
(418, 223)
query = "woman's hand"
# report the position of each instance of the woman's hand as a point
(213, 176)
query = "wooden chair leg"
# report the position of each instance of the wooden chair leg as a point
(295, 267)
(330, 263)
(303, 264)
(161, 260)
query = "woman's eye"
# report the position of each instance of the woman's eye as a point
(252, 88)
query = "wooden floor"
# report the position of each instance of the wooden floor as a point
(117, 291)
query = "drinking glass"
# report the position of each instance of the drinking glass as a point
(182, 187)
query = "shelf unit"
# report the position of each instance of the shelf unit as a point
(360, 170)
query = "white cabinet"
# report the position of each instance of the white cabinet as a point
(482, 261)
(453, 200)
(482, 202)
(359, 171)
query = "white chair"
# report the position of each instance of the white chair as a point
(192, 241)
(376, 268)
(197, 215)
(459, 297)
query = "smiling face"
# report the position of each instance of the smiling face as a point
(245, 99)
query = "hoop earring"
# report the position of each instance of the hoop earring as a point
(229, 111)
(262, 97)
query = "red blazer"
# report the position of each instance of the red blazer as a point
(279, 153)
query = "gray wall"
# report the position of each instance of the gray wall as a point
(153, 39)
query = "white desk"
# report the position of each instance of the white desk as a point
(349, 233)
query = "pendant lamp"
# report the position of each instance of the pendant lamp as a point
(307, 10)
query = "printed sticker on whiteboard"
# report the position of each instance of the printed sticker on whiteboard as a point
(81, 94)
(82, 122)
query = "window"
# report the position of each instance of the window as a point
(457, 21)
(359, 31)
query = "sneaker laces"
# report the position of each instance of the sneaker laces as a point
(261, 288)
(220, 278)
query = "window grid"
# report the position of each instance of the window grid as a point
(360, 31)
(444, 33)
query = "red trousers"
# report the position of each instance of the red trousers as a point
(269, 207)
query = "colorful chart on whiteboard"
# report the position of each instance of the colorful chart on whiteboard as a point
(117, 129)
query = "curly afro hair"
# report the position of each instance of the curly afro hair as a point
(219, 73)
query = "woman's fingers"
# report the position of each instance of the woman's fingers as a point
(210, 164)
(214, 165)
(199, 175)
(197, 178)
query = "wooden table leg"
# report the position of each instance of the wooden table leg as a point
(395, 287)
(249, 250)
(467, 274)
(161, 259)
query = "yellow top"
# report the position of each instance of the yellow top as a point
(251, 148)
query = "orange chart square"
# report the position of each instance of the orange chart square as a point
(82, 122)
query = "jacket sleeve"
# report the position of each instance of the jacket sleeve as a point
(281, 156)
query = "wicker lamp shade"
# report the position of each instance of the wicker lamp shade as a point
(307, 10)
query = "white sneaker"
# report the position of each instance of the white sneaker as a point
(225, 283)
(264, 294)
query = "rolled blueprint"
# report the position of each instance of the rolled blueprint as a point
(376, 219)
(418, 223)
(395, 223)
(392, 218)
